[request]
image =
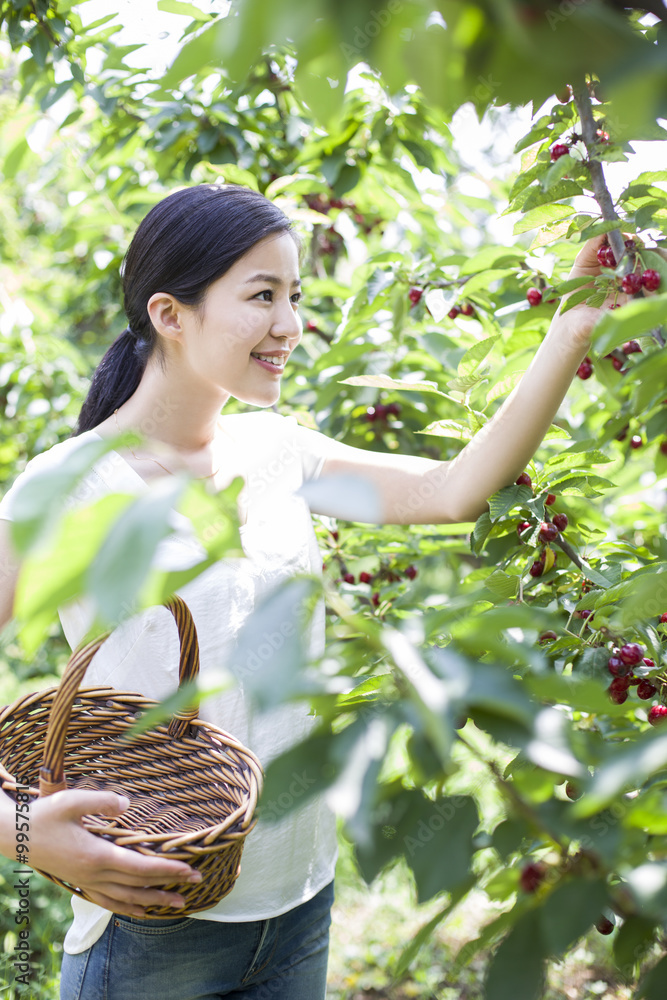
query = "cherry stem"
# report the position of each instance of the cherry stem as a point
(589, 131)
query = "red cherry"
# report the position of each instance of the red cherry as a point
(572, 791)
(636, 441)
(312, 326)
(663, 447)
(602, 135)
(337, 203)
(632, 283)
(631, 653)
(647, 662)
(618, 690)
(365, 577)
(585, 369)
(537, 569)
(393, 410)
(521, 527)
(415, 295)
(524, 480)
(650, 280)
(370, 414)
(548, 636)
(348, 578)
(532, 876)
(560, 520)
(606, 256)
(453, 312)
(646, 690)
(617, 363)
(560, 149)
(631, 347)
(551, 498)
(630, 245)
(663, 617)
(411, 572)
(534, 296)
(548, 531)
(334, 535)
(657, 715)
(380, 411)
(616, 666)
(467, 309)
(604, 925)
(375, 599)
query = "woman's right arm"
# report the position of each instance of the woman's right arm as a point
(113, 877)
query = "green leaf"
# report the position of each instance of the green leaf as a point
(385, 382)
(124, 559)
(570, 911)
(187, 9)
(14, 158)
(628, 766)
(635, 318)
(447, 820)
(654, 985)
(502, 584)
(507, 498)
(51, 576)
(633, 940)
(378, 282)
(232, 174)
(40, 500)
(475, 356)
(517, 968)
(480, 532)
(449, 429)
(542, 216)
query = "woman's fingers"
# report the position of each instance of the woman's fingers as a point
(62, 846)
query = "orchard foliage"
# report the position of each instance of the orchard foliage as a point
(490, 700)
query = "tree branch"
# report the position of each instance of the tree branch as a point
(589, 131)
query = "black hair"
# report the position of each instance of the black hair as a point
(184, 244)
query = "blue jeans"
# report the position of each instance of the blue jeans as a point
(283, 958)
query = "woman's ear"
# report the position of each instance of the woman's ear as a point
(166, 315)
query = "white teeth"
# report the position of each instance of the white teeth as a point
(277, 362)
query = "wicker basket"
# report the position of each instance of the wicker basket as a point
(192, 787)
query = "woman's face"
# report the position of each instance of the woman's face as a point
(241, 337)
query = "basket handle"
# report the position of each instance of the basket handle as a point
(52, 774)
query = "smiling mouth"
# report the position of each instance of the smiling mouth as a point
(275, 361)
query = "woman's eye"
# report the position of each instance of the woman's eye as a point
(296, 298)
(267, 291)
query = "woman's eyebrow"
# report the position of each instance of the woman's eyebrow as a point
(272, 279)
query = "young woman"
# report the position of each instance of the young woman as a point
(211, 287)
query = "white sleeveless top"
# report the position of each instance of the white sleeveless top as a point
(287, 862)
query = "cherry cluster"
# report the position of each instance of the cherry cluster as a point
(622, 666)
(548, 531)
(387, 574)
(635, 281)
(617, 358)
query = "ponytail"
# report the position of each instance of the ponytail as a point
(115, 379)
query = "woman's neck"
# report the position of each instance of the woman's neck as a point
(168, 407)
